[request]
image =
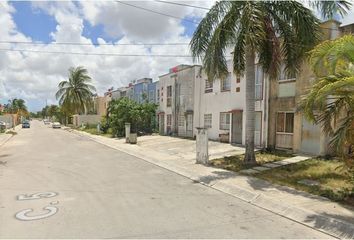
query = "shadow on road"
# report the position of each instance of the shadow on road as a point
(341, 229)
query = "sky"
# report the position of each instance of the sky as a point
(34, 76)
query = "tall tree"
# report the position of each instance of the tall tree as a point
(76, 93)
(16, 105)
(272, 32)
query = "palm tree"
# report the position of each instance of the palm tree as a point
(274, 32)
(76, 93)
(16, 105)
(330, 101)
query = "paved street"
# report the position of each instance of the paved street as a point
(92, 191)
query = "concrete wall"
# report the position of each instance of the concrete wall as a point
(9, 119)
(100, 104)
(78, 120)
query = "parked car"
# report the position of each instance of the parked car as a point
(2, 125)
(26, 124)
(46, 121)
(56, 125)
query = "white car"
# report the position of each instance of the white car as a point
(56, 125)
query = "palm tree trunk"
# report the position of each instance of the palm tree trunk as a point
(250, 158)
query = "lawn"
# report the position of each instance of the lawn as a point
(328, 178)
(235, 163)
(93, 130)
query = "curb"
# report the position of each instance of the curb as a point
(329, 225)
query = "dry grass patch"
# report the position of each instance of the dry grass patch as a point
(235, 163)
(331, 177)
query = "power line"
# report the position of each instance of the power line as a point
(187, 20)
(91, 44)
(183, 4)
(96, 54)
(156, 12)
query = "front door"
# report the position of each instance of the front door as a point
(258, 129)
(310, 137)
(189, 127)
(236, 136)
(162, 124)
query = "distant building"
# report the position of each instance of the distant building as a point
(176, 96)
(140, 90)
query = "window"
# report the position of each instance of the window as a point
(224, 121)
(181, 120)
(226, 83)
(238, 89)
(158, 95)
(169, 96)
(285, 122)
(207, 120)
(238, 79)
(169, 120)
(284, 76)
(208, 86)
(259, 83)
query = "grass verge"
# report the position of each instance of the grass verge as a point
(94, 131)
(11, 132)
(235, 163)
(328, 178)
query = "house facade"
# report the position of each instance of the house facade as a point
(176, 98)
(288, 128)
(221, 103)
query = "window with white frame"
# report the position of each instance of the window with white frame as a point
(224, 121)
(207, 120)
(226, 83)
(285, 122)
(284, 76)
(259, 83)
(169, 96)
(208, 86)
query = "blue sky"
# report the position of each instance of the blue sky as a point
(40, 23)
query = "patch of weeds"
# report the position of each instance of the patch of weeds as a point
(236, 163)
(334, 178)
(11, 132)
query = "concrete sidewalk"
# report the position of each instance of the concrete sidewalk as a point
(313, 211)
(4, 137)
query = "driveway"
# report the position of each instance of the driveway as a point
(56, 184)
(186, 148)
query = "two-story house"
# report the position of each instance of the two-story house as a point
(176, 98)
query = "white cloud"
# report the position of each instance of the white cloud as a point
(35, 76)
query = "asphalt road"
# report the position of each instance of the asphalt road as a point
(91, 191)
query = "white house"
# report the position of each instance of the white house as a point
(220, 104)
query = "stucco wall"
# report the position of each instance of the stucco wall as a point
(78, 120)
(8, 119)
